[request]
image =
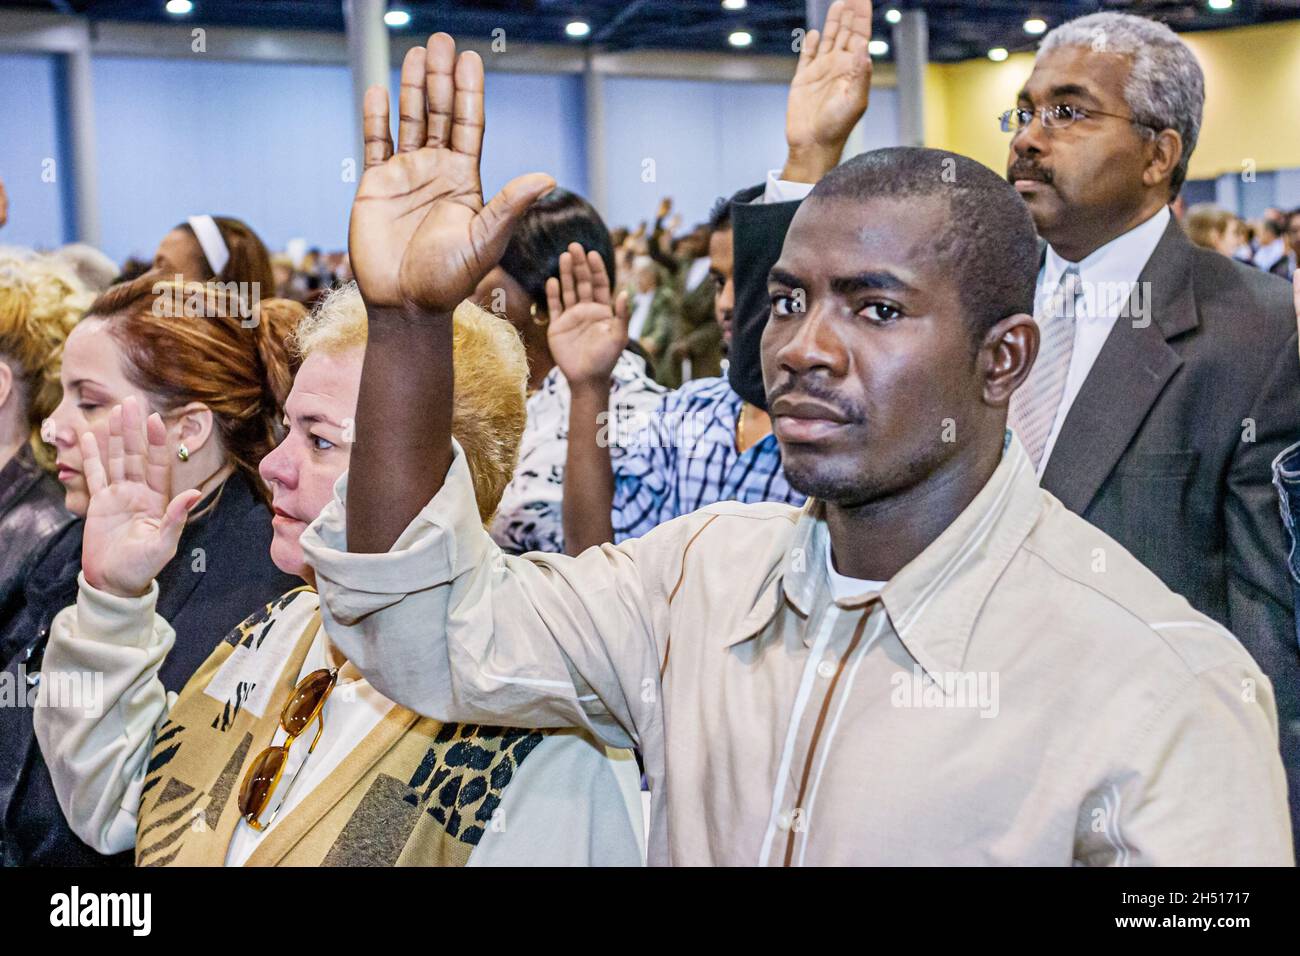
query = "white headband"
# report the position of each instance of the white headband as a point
(210, 241)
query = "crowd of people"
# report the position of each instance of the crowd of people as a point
(905, 512)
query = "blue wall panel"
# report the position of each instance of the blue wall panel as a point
(29, 140)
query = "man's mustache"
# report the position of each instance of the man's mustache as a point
(816, 391)
(1024, 169)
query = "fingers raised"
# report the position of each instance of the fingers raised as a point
(158, 460)
(554, 307)
(581, 272)
(490, 230)
(174, 518)
(116, 450)
(831, 28)
(566, 280)
(439, 88)
(133, 440)
(91, 466)
(411, 123)
(599, 278)
(374, 126)
(467, 120)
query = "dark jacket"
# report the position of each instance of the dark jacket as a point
(221, 572)
(1168, 447)
(32, 516)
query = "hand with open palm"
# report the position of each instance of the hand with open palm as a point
(830, 90)
(420, 235)
(585, 332)
(132, 528)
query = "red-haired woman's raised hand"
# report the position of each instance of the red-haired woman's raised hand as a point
(132, 528)
(420, 235)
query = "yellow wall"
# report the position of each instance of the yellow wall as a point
(1252, 105)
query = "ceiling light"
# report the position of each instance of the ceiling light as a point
(878, 48)
(740, 38)
(178, 8)
(577, 28)
(397, 18)
(893, 16)
(1220, 4)
(998, 54)
(734, 4)
(1035, 25)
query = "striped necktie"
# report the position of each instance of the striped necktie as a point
(1034, 405)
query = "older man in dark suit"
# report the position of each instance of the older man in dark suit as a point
(1167, 379)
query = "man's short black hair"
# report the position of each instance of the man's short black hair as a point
(720, 215)
(988, 243)
(544, 231)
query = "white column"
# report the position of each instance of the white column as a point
(911, 54)
(368, 53)
(81, 141)
(593, 95)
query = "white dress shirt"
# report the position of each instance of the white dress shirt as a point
(1108, 277)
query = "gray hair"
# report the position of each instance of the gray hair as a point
(1166, 88)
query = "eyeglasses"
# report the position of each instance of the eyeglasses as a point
(1058, 116)
(305, 704)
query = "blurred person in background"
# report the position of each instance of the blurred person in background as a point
(95, 270)
(219, 384)
(40, 302)
(1287, 266)
(530, 516)
(1272, 242)
(654, 311)
(216, 249)
(1213, 227)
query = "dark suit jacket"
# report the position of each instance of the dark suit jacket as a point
(1168, 446)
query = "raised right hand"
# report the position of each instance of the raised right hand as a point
(131, 530)
(420, 235)
(586, 334)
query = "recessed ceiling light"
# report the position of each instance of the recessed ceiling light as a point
(740, 38)
(397, 18)
(893, 16)
(1035, 25)
(734, 4)
(178, 8)
(998, 54)
(878, 48)
(1220, 4)
(577, 28)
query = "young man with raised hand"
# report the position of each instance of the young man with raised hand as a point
(932, 662)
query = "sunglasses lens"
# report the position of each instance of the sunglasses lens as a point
(306, 698)
(258, 781)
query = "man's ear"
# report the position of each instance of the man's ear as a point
(1166, 151)
(194, 425)
(1006, 355)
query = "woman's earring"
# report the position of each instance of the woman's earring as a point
(536, 321)
(182, 452)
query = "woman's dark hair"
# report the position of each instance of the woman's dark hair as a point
(249, 261)
(544, 231)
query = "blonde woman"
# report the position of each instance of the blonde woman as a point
(40, 301)
(277, 744)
